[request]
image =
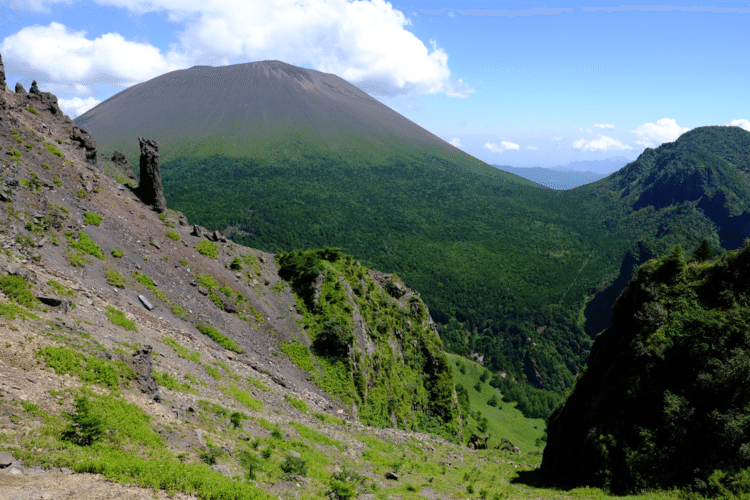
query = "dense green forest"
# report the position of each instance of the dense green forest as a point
(507, 268)
(664, 400)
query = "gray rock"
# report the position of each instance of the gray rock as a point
(119, 160)
(156, 243)
(295, 454)
(243, 436)
(199, 231)
(202, 290)
(84, 140)
(366, 496)
(142, 364)
(222, 469)
(34, 89)
(145, 302)
(229, 306)
(199, 435)
(6, 458)
(392, 476)
(150, 189)
(2, 74)
(50, 301)
(19, 88)
(216, 236)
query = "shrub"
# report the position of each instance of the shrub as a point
(211, 454)
(297, 403)
(87, 425)
(334, 338)
(85, 245)
(60, 289)
(45, 166)
(208, 249)
(294, 466)
(236, 419)
(250, 463)
(30, 109)
(57, 181)
(236, 264)
(92, 219)
(17, 289)
(52, 149)
(81, 194)
(173, 235)
(118, 318)
(115, 279)
(116, 252)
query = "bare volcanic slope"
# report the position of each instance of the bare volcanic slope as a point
(259, 107)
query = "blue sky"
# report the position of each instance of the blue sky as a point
(511, 83)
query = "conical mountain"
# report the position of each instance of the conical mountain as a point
(265, 107)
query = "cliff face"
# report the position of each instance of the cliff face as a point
(664, 400)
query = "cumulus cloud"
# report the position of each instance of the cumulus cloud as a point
(364, 42)
(599, 125)
(456, 142)
(36, 51)
(654, 134)
(77, 106)
(603, 143)
(493, 147)
(509, 145)
(743, 123)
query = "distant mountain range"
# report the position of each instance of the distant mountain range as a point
(282, 158)
(573, 174)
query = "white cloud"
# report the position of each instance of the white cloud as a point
(77, 106)
(599, 125)
(456, 142)
(509, 145)
(743, 123)
(532, 147)
(556, 138)
(654, 134)
(603, 143)
(36, 51)
(493, 147)
(364, 42)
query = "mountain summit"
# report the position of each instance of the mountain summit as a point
(247, 105)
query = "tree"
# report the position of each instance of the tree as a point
(703, 252)
(87, 425)
(334, 338)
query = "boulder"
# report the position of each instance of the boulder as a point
(506, 445)
(150, 189)
(229, 306)
(145, 302)
(6, 458)
(34, 89)
(19, 88)
(122, 163)
(392, 476)
(142, 364)
(477, 442)
(199, 231)
(84, 140)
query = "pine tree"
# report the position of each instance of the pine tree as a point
(87, 425)
(703, 252)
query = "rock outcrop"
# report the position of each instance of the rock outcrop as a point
(19, 88)
(84, 140)
(3, 85)
(150, 189)
(142, 363)
(122, 163)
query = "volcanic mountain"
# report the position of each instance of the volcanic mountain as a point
(243, 109)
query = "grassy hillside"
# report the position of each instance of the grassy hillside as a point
(502, 417)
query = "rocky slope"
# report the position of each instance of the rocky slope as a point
(178, 330)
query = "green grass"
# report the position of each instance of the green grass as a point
(173, 235)
(60, 289)
(92, 219)
(18, 290)
(243, 397)
(84, 245)
(297, 403)
(219, 337)
(89, 369)
(182, 351)
(117, 253)
(170, 382)
(115, 279)
(52, 149)
(57, 181)
(299, 354)
(258, 383)
(504, 420)
(31, 109)
(208, 249)
(149, 283)
(118, 318)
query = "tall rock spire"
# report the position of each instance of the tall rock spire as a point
(150, 189)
